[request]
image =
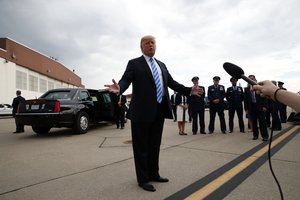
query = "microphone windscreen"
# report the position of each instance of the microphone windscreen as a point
(233, 70)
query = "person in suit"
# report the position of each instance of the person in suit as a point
(197, 106)
(250, 127)
(256, 106)
(216, 95)
(282, 106)
(150, 105)
(182, 106)
(173, 103)
(269, 90)
(235, 98)
(120, 111)
(274, 108)
(15, 104)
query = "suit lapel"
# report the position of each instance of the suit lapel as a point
(147, 68)
(163, 72)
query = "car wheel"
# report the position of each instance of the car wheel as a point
(82, 123)
(41, 129)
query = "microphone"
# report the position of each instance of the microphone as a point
(237, 72)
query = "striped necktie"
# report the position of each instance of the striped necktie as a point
(156, 80)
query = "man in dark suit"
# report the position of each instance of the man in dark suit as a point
(173, 103)
(256, 106)
(235, 98)
(150, 105)
(120, 111)
(197, 105)
(216, 95)
(282, 107)
(15, 104)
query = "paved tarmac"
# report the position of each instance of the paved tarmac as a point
(99, 165)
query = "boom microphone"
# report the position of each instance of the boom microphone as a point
(237, 72)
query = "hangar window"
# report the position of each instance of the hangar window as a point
(33, 83)
(21, 80)
(43, 85)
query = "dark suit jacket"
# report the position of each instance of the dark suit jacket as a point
(260, 101)
(178, 99)
(235, 97)
(216, 93)
(123, 102)
(173, 99)
(15, 104)
(197, 103)
(143, 105)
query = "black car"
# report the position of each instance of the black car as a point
(67, 107)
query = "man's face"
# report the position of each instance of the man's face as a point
(233, 82)
(216, 81)
(195, 82)
(148, 47)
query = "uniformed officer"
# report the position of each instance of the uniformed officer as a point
(235, 98)
(197, 105)
(256, 106)
(216, 94)
(282, 109)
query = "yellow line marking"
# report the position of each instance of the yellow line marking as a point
(212, 186)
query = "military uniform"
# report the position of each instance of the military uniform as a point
(197, 106)
(216, 92)
(235, 98)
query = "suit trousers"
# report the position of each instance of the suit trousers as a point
(259, 118)
(195, 114)
(19, 126)
(239, 111)
(212, 111)
(146, 140)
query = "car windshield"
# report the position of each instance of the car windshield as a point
(58, 95)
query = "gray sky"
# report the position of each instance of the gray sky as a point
(194, 37)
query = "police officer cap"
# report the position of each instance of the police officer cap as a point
(280, 83)
(232, 79)
(195, 78)
(216, 78)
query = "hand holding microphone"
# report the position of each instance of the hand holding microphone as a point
(265, 88)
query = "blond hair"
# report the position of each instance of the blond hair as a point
(147, 37)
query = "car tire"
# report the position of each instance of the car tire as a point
(82, 123)
(41, 130)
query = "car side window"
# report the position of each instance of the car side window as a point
(106, 98)
(84, 96)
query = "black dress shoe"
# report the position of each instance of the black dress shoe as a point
(147, 187)
(159, 179)
(17, 132)
(203, 132)
(224, 132)
(230, 131)
(254, 138)
(265, 139)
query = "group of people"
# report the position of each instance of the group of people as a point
(150, 106)
(260, 111)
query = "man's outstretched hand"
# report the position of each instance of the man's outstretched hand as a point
(115, 88)
(196, 90)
